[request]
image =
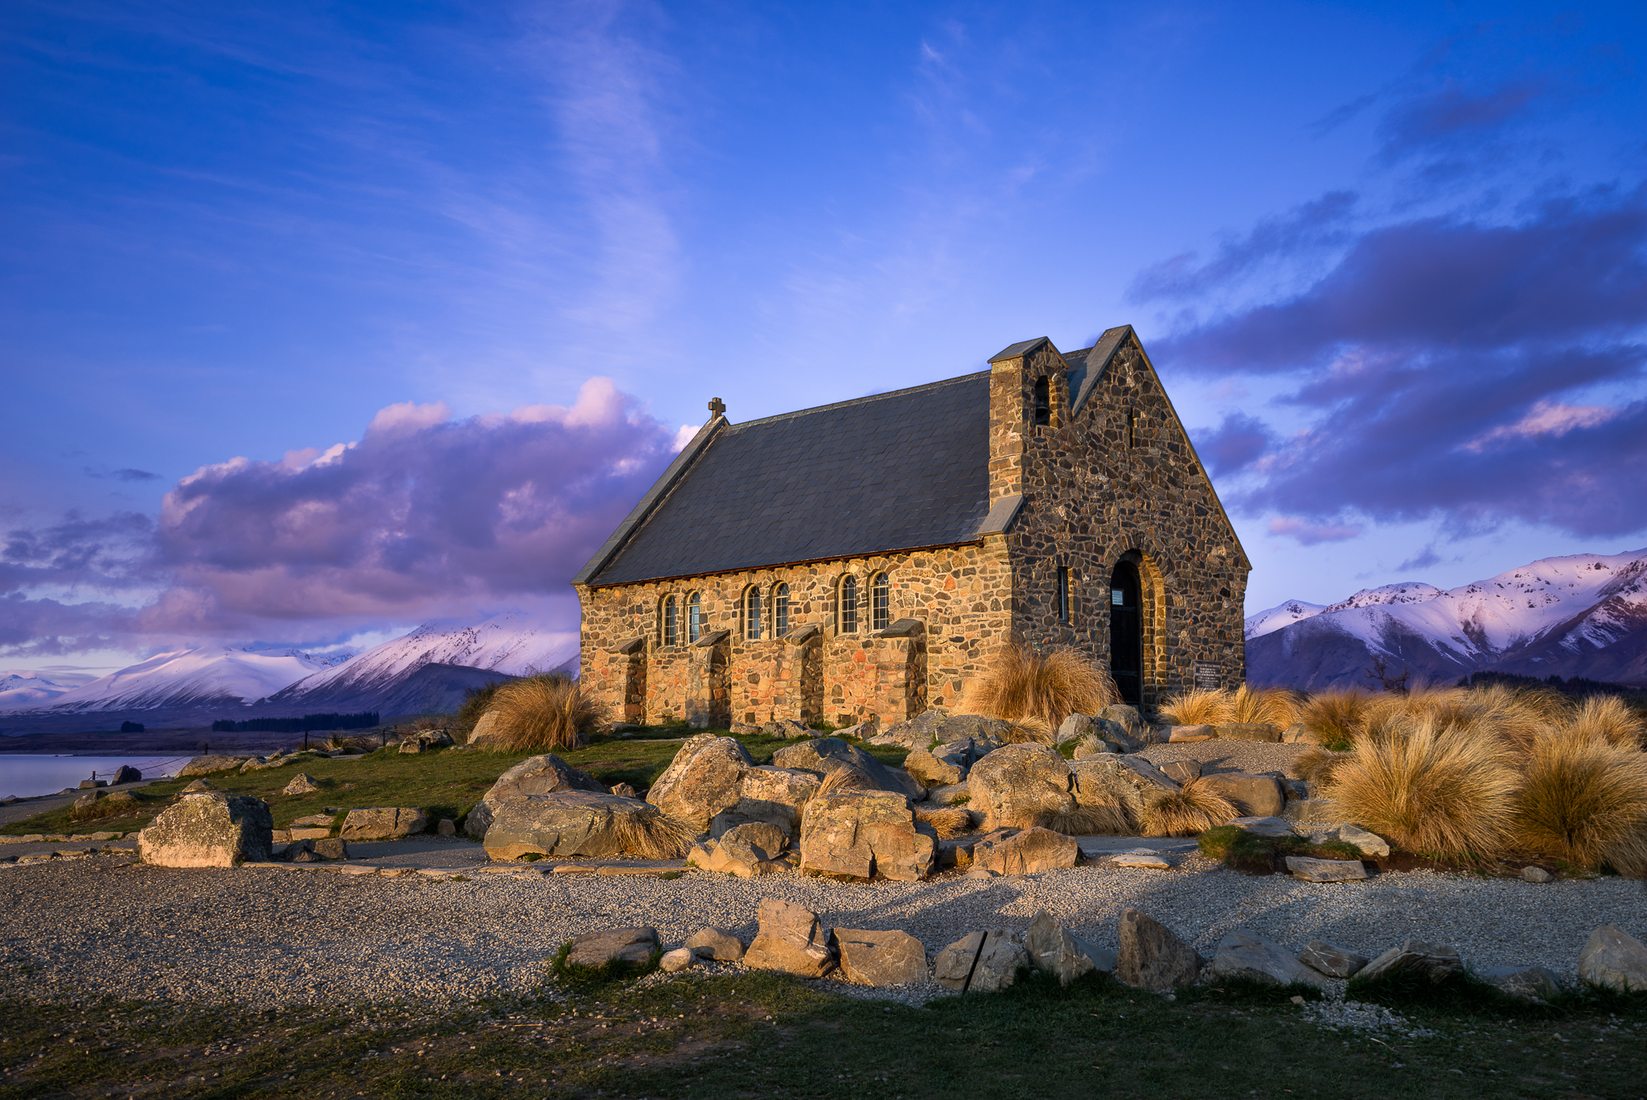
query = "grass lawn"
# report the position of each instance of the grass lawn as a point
(761, 1035)
(446, 782)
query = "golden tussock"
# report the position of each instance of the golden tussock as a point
(1105, 818)
(1267, 706)
(1581, 798)
(543, 714)
(948, 822)
(1019, 683)
(1192, 809)
(652, 834)
(1197, 707)
(1611, 719)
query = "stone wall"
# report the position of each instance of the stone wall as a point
(1093, 496)
(959, 595)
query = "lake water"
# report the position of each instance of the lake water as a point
(23, 775)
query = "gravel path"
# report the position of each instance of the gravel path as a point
(107, 926)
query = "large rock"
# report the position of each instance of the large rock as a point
(568, 823)
(937, 725)
(1017, 785)
(1024, 851)
(751, 849)
(1247, 956)
(488, 732)
(1059, 952)
(1110, 779)
(1151, 956)
(1310, 869)
(865, 834)
(1130, 722)
(125, 773)
(210, 765)
(952, 968)
(1248, 731)
(705, 778)
(625, 946)
(1252, 795)
(1524, 983)
(825, 754)
(1613, 959)
(981, 962)
(208, 830)
(1331, 960)
(769, 794)
(789, 939)
(880, 959)
(426, 741)
(384, 823)
(544, 774)
(1413, 960)
(716, 944)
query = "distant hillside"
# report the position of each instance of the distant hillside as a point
(1576, 616)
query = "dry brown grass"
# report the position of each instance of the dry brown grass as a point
(1317, 763)
(543, 714)
(1433, 790)
(1103, 818)
(1336, 718)
(652, 834)
(844, 777)
(1266, 706)
(1197, 707)
(1611, 719)
(1628, 856)
(1581, 798)
(948, 822)
(1029, 731)
(1019, 683)
(1189, 811)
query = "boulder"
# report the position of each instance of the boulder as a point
(634, 947)
(1247, 731)
(1313, 813)
(197, 786)
(95, 804)
(746, 851)
(1275, 828)
(302, 783)
(673, 962)
(1016, 785)
(1130, 722)
(999, 963)
(1151, 956)
(786, 729)
(1140, 859)
(1413, 959)
(445, 827)
(426, 741)
(880, 959)
(865, 834)
(208, 830)
(544, 774)
(772, 795)
(1179, 734)
(1113, 780)
(568, 823)
(861, 731)
(1181, 771)
(384, 823)
(1331, 960)
(956, 794)
(1524, 983)
(210, 765)
(329, 847)
(716, 944)
(705, 778)
(1367, 843)
(1055, 950)
(1024, 851)
(825, 754)
(1613, 959)
(938, 767)
(790, 940)
(952, 968)
(488, 732)
(937, 725)
(1252, 795)
(125, 773)
(1247, 956)
(1326, 870)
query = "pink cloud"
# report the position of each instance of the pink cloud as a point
(1311, 534)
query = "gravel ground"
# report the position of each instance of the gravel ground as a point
(106, 926)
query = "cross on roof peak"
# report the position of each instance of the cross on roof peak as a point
(717, 407)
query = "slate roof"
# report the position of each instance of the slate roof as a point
(894, 471)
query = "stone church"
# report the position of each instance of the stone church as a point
(864, 558)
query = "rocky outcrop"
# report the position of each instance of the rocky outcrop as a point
(544, 774)
(1613, 959)
(208, 830)
(384, 823)
(1151, 956)
(705, 778)
(1018, 785)
(1024, 851)
(864, 835)
(881, 959)
(790, 940)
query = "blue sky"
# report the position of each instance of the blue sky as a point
(1391, 262)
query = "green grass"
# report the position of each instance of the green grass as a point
(762, 1035)
(446, 783)
(1246, 851)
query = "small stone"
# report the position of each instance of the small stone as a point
(125, 773)
(1180, 734)
(1367, 843)
(1276, 828)
(1331, 960)
(446, 827)
(624, 790)
(1142, 859)
(633, 946)
(672, 962)
(1535, 874)
(716, 944)
(1326, 870)
(1614, 959)
(302, 783)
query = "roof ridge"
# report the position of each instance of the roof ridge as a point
(855, 401)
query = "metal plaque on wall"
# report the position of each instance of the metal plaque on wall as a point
(1209, 676)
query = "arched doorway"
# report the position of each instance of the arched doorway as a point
(1126, 631)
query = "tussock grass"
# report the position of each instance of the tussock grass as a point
(1611, 719)
(948, 822)
(653, 834)
(1018, 683)
(1197, 707)
(1103, 818)
(1581, 798)
(1317, 763)
(1029, 731)
(475, 704)
(1192, 809)
(1268, 706)
(1335, 717)
(1431, 788)
(543, 714)
(844, 777)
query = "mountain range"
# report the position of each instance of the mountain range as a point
(1581, 615)
(426, 671)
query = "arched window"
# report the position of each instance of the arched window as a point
(780, 610)
(694, 617)
(847, 606)
(669, 623)
(752, 613)
(880, 602)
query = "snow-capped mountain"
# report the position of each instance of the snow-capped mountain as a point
(192, 677)
(1579, 615)
(434, 666)
(25, 690)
